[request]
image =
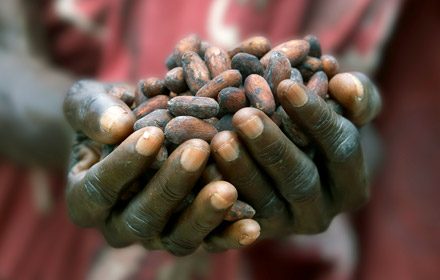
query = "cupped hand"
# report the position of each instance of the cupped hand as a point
(291, 191)
(98, 189)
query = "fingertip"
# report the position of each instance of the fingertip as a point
(225, 144)
(116, 124)
(249, 231)
(150, 142)
(194, 155)
(249, 122)
(223, 194)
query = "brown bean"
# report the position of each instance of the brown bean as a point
(217, 60)
(259, 95)
(158, 118)
(247, 64)
(189, 43)
(204, 45)
(229, 78)
(330, 65)
(278, 69)
(151, 87)
(124, 92)
(151, 104)
(239, 210)
(170, 62)
(195, 71)
(225, 123)
(295, 76)
(257, 46)
(212, 121)
(199, 107)
(318, 84)
(315, 45)
(310, 66)
(231, 99)
(183, 128)
(175, 81)
(295, 50)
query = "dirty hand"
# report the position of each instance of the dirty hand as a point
(291, 191)
(97, 191)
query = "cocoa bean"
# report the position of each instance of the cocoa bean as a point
(124, 92)
(195, 71)
(199, 107)
(257, 46)
(189, 43)
(232, 99)
(247, 64)
(151, 104)
(259, 95)
(183, 128)
(315, 45)
(229, 78)
(278, 69)
(295, 50)
(239, 210)
(175, 80)
(153, 86)
(318, 84)
(158, 118)
(225, 123)
(217, 60)
(330, 65)
(309, 66)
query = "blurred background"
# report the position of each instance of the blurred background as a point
(46, 45)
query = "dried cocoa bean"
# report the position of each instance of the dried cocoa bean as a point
(199, 107)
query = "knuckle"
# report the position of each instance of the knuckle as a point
(344, 142)
(303, 184)
(273, 154)
(203, 227)
(95, 190)
(167, 193)
(143, 224)
(178, 246)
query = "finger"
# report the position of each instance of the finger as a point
(337, 138)
(91, 194)
(253, 187)
(147, 214)
(358, 95)
(295, 175)
(200, 218)
(234, 236)
(102, 117)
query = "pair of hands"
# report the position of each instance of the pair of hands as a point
(290, 191)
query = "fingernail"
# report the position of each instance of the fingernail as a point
(218, 202)
(252, 128)
(229, 150)
(297, 95)
(192, 158)
(247, 239)
(149, 143)
(359, 89)
(110, 117)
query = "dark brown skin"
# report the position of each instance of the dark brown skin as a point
(292, 130)
(158, 118)
(278, 69)
(151, 104)
(175, 80)
(318, 83)
(282, 183)
(247, 64)
(151, 87)
(195, 71)
(229, 78)
(199, 107)
(259, 95)
(232, 99)
(257, 46)
(96, 187)
(183, 128)
(295, 50)
(217, 60)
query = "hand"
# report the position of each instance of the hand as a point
(291, 192)
(97, 189)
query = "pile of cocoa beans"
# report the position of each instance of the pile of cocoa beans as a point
(206, 85)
